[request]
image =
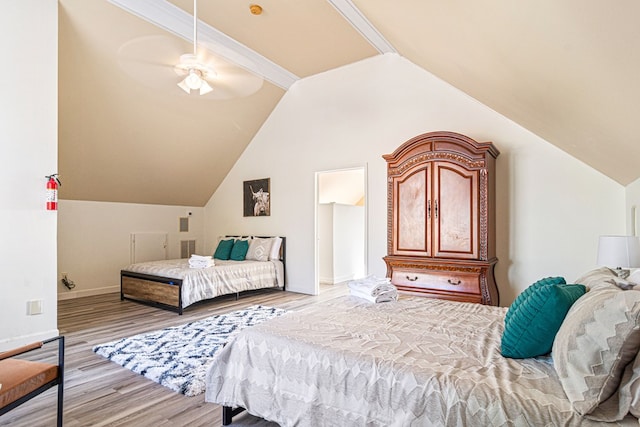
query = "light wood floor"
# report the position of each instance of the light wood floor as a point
(102, 393)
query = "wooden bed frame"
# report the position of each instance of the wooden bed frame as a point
(166, 292)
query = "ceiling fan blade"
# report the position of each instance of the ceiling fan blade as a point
(154, 61)
(229, 88)
(156, 49)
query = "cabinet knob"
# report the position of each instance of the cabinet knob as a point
(451, 282)
(412, 280)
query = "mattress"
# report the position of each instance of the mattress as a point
(417, 361)
(226, 277)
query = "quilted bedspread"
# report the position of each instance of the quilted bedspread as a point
(226, 277)
(414, 362)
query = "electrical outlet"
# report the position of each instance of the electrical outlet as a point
(34, 307)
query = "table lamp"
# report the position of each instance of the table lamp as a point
(619, 253)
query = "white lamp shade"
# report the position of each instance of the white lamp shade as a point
(619, 251)
(183, 85)
(205, 88)
(195, 81)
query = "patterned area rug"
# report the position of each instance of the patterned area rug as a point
(179, 357)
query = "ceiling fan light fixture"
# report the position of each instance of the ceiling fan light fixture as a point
(191, 82)
(193, 79)
(196, 72)
(183, 85)
(205, 88)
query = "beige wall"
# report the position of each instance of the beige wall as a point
(94, 240)
(28, 139)
(551, 207)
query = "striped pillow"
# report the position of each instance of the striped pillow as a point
(598, 338)
(596, 279)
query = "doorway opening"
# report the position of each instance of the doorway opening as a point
(340, 226)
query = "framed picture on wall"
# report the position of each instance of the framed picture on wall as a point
(257, 197)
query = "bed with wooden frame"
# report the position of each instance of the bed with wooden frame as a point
(172, 285)
(421, 361)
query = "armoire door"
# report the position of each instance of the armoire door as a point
(411, 222)
(455, 211)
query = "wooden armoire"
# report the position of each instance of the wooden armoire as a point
(441, 218)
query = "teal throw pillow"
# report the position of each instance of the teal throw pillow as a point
(534, 323)
(223, 251)
(239, 250)
(532, 288)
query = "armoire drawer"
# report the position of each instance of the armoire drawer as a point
(454, 281)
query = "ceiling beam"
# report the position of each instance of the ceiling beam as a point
(171, 18)
(353, 15)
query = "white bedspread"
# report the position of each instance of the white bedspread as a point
(226, 277)
(414, 362)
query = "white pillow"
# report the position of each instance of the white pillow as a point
(596, 341)
(275, 248)
(233, 237)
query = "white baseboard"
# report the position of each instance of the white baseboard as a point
(293, 288)
(88, 292)
(336, 279)
(14, 342)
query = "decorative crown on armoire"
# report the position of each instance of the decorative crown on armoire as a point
(441, 218)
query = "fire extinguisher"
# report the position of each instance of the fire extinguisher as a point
(52, 192)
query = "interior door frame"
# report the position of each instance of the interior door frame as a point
(316, 248)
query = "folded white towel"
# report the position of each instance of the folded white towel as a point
(372, 285)
(199, 261)
(387, 296)
(374, 289)
(200, 257)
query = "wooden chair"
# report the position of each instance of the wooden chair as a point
(22, 380)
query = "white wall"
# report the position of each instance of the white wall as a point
(348, 242)
(28, 138)
(341, 242)
(550, 207)
(94, 240)
(325, 242)
(633, 208)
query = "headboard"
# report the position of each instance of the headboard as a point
(283, 246)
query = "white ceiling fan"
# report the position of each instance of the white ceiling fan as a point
(195, 72)
(154, 60)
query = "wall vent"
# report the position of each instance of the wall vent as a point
(187, 248)
(184, 224)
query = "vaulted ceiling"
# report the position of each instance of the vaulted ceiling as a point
(568, 71)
